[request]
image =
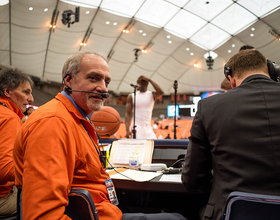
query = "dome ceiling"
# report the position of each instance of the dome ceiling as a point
(166, 40)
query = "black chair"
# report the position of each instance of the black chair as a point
(251, 206)
(80, 207)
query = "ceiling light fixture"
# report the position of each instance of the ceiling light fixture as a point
(52, 26)
(66, 16)
(86, 37)
(46, 9)
(129, 26)
(107, 22)
(209, 61)
(147, 47)
(30, 8)
(115, 23)
(275, 33)
(87, 12)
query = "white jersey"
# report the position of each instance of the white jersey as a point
(144, 108)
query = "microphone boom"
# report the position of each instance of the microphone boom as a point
(104, 95)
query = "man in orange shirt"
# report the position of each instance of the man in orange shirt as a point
(15, 94)
(57, 148)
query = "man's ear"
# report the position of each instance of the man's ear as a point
(67, 80)
(232, 81)
(7, 92)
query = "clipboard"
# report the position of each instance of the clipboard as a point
(121, 150)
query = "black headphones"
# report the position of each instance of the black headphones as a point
(273, 70)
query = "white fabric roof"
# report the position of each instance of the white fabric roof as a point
(178, 35)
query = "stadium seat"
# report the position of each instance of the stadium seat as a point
(251, 206)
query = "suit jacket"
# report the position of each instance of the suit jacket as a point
(235, 144)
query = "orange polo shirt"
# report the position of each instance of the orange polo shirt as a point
(53, 153)
(10, 123)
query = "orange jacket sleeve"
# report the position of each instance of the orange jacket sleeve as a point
(48, 172)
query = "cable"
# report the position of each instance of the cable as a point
(177, 161)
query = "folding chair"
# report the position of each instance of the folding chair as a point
(251, 206)
(80, 207)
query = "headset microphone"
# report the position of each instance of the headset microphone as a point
(104, 95)
(135, 86)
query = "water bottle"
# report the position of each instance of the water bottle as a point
(134, 161)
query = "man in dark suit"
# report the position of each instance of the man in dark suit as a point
(235, 136)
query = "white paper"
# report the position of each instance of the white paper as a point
(171, 178)
(125, 149)
(140, 176)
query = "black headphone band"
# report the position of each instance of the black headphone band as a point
(273, 70)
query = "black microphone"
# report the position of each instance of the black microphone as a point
(104, 95)
(135, 86)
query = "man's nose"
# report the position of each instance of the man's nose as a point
(102, 86)
(30, 98)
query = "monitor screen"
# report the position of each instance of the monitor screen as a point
(207, 94)
(171, 110)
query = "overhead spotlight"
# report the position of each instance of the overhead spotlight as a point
(209, 62)
(86, 37)
(147, 47)
(52, 26)
(69, 14)
(136, 54)
(129, 26)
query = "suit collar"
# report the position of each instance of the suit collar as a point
(255, 77)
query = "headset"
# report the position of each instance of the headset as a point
(273, 70)
(67, 89)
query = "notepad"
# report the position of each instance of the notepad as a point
(121, 150)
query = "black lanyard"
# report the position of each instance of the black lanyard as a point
(98, 152)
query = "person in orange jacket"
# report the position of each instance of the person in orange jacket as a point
(57, 148)
(15, 94)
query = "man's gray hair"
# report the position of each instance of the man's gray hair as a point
(72, 64)
(11, 77)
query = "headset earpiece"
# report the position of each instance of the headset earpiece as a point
(227, 71)
(66, 88)
(273, 70)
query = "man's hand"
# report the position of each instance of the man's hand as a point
(145, 78)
